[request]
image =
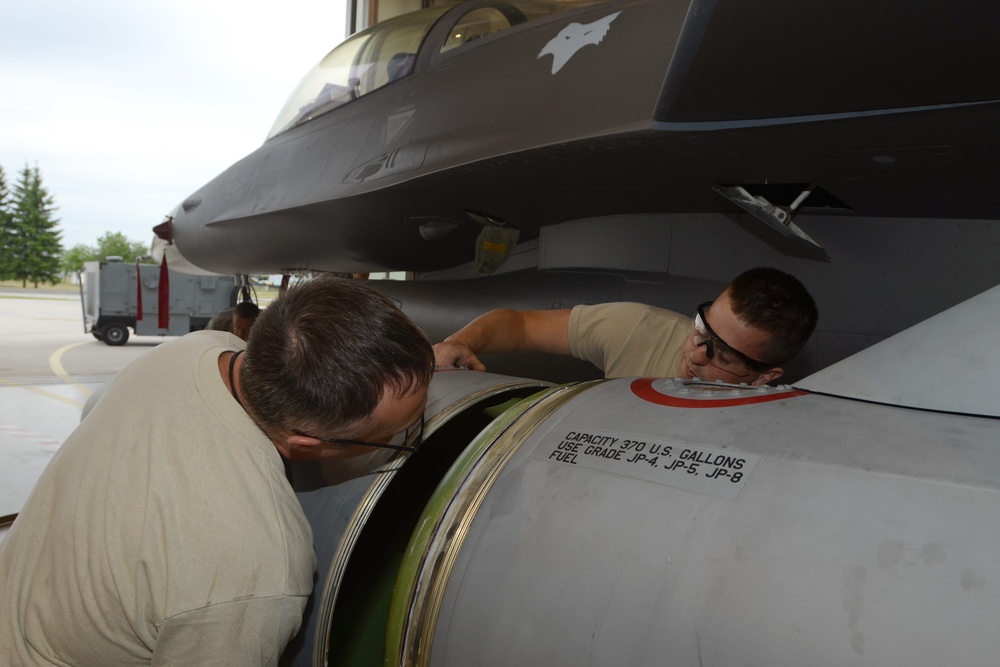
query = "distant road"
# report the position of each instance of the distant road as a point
(40, 293)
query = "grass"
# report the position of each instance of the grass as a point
(59, 287)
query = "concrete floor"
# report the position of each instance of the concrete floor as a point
(48, 369)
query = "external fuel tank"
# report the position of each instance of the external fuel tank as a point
(651, 522)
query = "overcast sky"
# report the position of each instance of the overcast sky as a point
(128, 106)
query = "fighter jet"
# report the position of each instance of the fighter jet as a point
(541, 155)
(409, 138)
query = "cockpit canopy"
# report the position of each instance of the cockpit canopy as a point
(388, 50)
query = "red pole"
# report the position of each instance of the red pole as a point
(138, 291)
(164, 295)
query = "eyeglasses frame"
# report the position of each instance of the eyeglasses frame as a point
(713, 339)
(364, 443)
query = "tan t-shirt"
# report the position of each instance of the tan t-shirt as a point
(629, 339)
(163, 531)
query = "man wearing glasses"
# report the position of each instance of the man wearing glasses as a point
(758, 323)
(166, 530)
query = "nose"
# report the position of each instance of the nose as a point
(698, 355)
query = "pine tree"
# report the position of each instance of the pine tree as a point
(6, 229)
(35, 244)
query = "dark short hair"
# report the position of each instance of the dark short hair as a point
(221, 321)
(246, 309)
(322, 355)
(777, 303)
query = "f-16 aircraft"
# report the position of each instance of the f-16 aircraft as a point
(409, 138)
(650, 151)
(546, 154)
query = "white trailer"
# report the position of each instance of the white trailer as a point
(110, 298)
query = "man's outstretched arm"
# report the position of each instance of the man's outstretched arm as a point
(505, 330)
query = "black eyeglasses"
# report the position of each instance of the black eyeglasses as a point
(413, 436)
(711, 340)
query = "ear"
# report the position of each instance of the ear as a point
(768, 376)
(302, 442)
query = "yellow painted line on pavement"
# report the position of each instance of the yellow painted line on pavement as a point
(47, 394)
(55, 363)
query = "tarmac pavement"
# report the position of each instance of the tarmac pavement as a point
(48, 368)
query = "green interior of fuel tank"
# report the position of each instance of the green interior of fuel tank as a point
(358, 628)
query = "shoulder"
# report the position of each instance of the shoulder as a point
(189, 361)
(594, 329)
(614, 323)
(205, 344)
(196, 341)
(619, 312)
(210, 337)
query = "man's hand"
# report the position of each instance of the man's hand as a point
(454, 354)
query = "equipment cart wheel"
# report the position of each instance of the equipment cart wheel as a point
(114, 334)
